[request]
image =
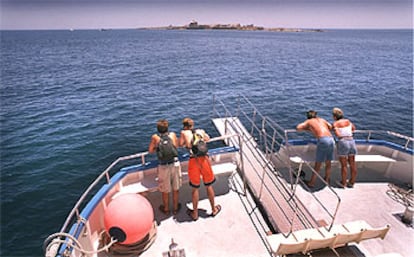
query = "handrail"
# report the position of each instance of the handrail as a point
(105, 173)
(407, 139)
(277, 127)
(269, 136)
(370, 134)
(96, 181)
(75, 212)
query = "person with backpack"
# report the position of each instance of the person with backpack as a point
(165, 144)
(198, 166)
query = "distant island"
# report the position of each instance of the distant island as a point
(193, 25)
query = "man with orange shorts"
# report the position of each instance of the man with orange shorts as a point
(199, 167)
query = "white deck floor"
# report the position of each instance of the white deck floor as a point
(369, 202)
(366, 201)
(239, 229)
(230, 233)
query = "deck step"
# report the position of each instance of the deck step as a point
(304, 241)
(149, 182)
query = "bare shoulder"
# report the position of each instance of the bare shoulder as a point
(302, 126)
(173, 136)
(186, 135)
(322, 119)
(342, 123)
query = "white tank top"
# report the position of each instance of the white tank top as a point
(345, 131)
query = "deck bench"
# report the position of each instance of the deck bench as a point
(303, 241)
(358, 158)
(149, 181)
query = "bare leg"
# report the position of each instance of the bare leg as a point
(175, 200)
(211, 195)
(352, 165)
(344, 169)
(328, 171)
(195, 197)
(313, 178)
(165, 201)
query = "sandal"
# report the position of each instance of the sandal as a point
(162, 209)
(218, 209)
(178, 209)
(190, 213)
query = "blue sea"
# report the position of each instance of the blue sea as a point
(74, 101)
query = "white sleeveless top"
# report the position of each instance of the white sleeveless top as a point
(345, 131)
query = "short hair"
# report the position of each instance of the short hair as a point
(162, 126)
(337, 113)
(188, 122)
(311, 114)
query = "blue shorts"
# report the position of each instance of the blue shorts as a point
(325, 149)
(346, 147)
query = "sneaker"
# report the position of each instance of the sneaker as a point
(350, 185)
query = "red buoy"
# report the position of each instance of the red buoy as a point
(128, 218)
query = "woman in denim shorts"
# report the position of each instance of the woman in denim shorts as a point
(346, 147)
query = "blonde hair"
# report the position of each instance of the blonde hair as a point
(337, 113)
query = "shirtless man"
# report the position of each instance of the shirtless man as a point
(321, 129)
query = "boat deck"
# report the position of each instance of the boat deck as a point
(279, 204)
(367, 201)
(239, 229)
(261, 201)
(242, 225)
(231, 232)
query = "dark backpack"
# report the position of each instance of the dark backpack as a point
(166, 150)
(199, 146)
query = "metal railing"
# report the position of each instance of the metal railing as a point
(268, 138)
(405, 142)
(105, 174)
(105, 177)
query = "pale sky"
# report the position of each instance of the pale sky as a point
(91, 14)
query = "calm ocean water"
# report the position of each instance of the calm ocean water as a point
(72, 102)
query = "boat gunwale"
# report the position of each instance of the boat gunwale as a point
(117, 177)
(378, 142)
